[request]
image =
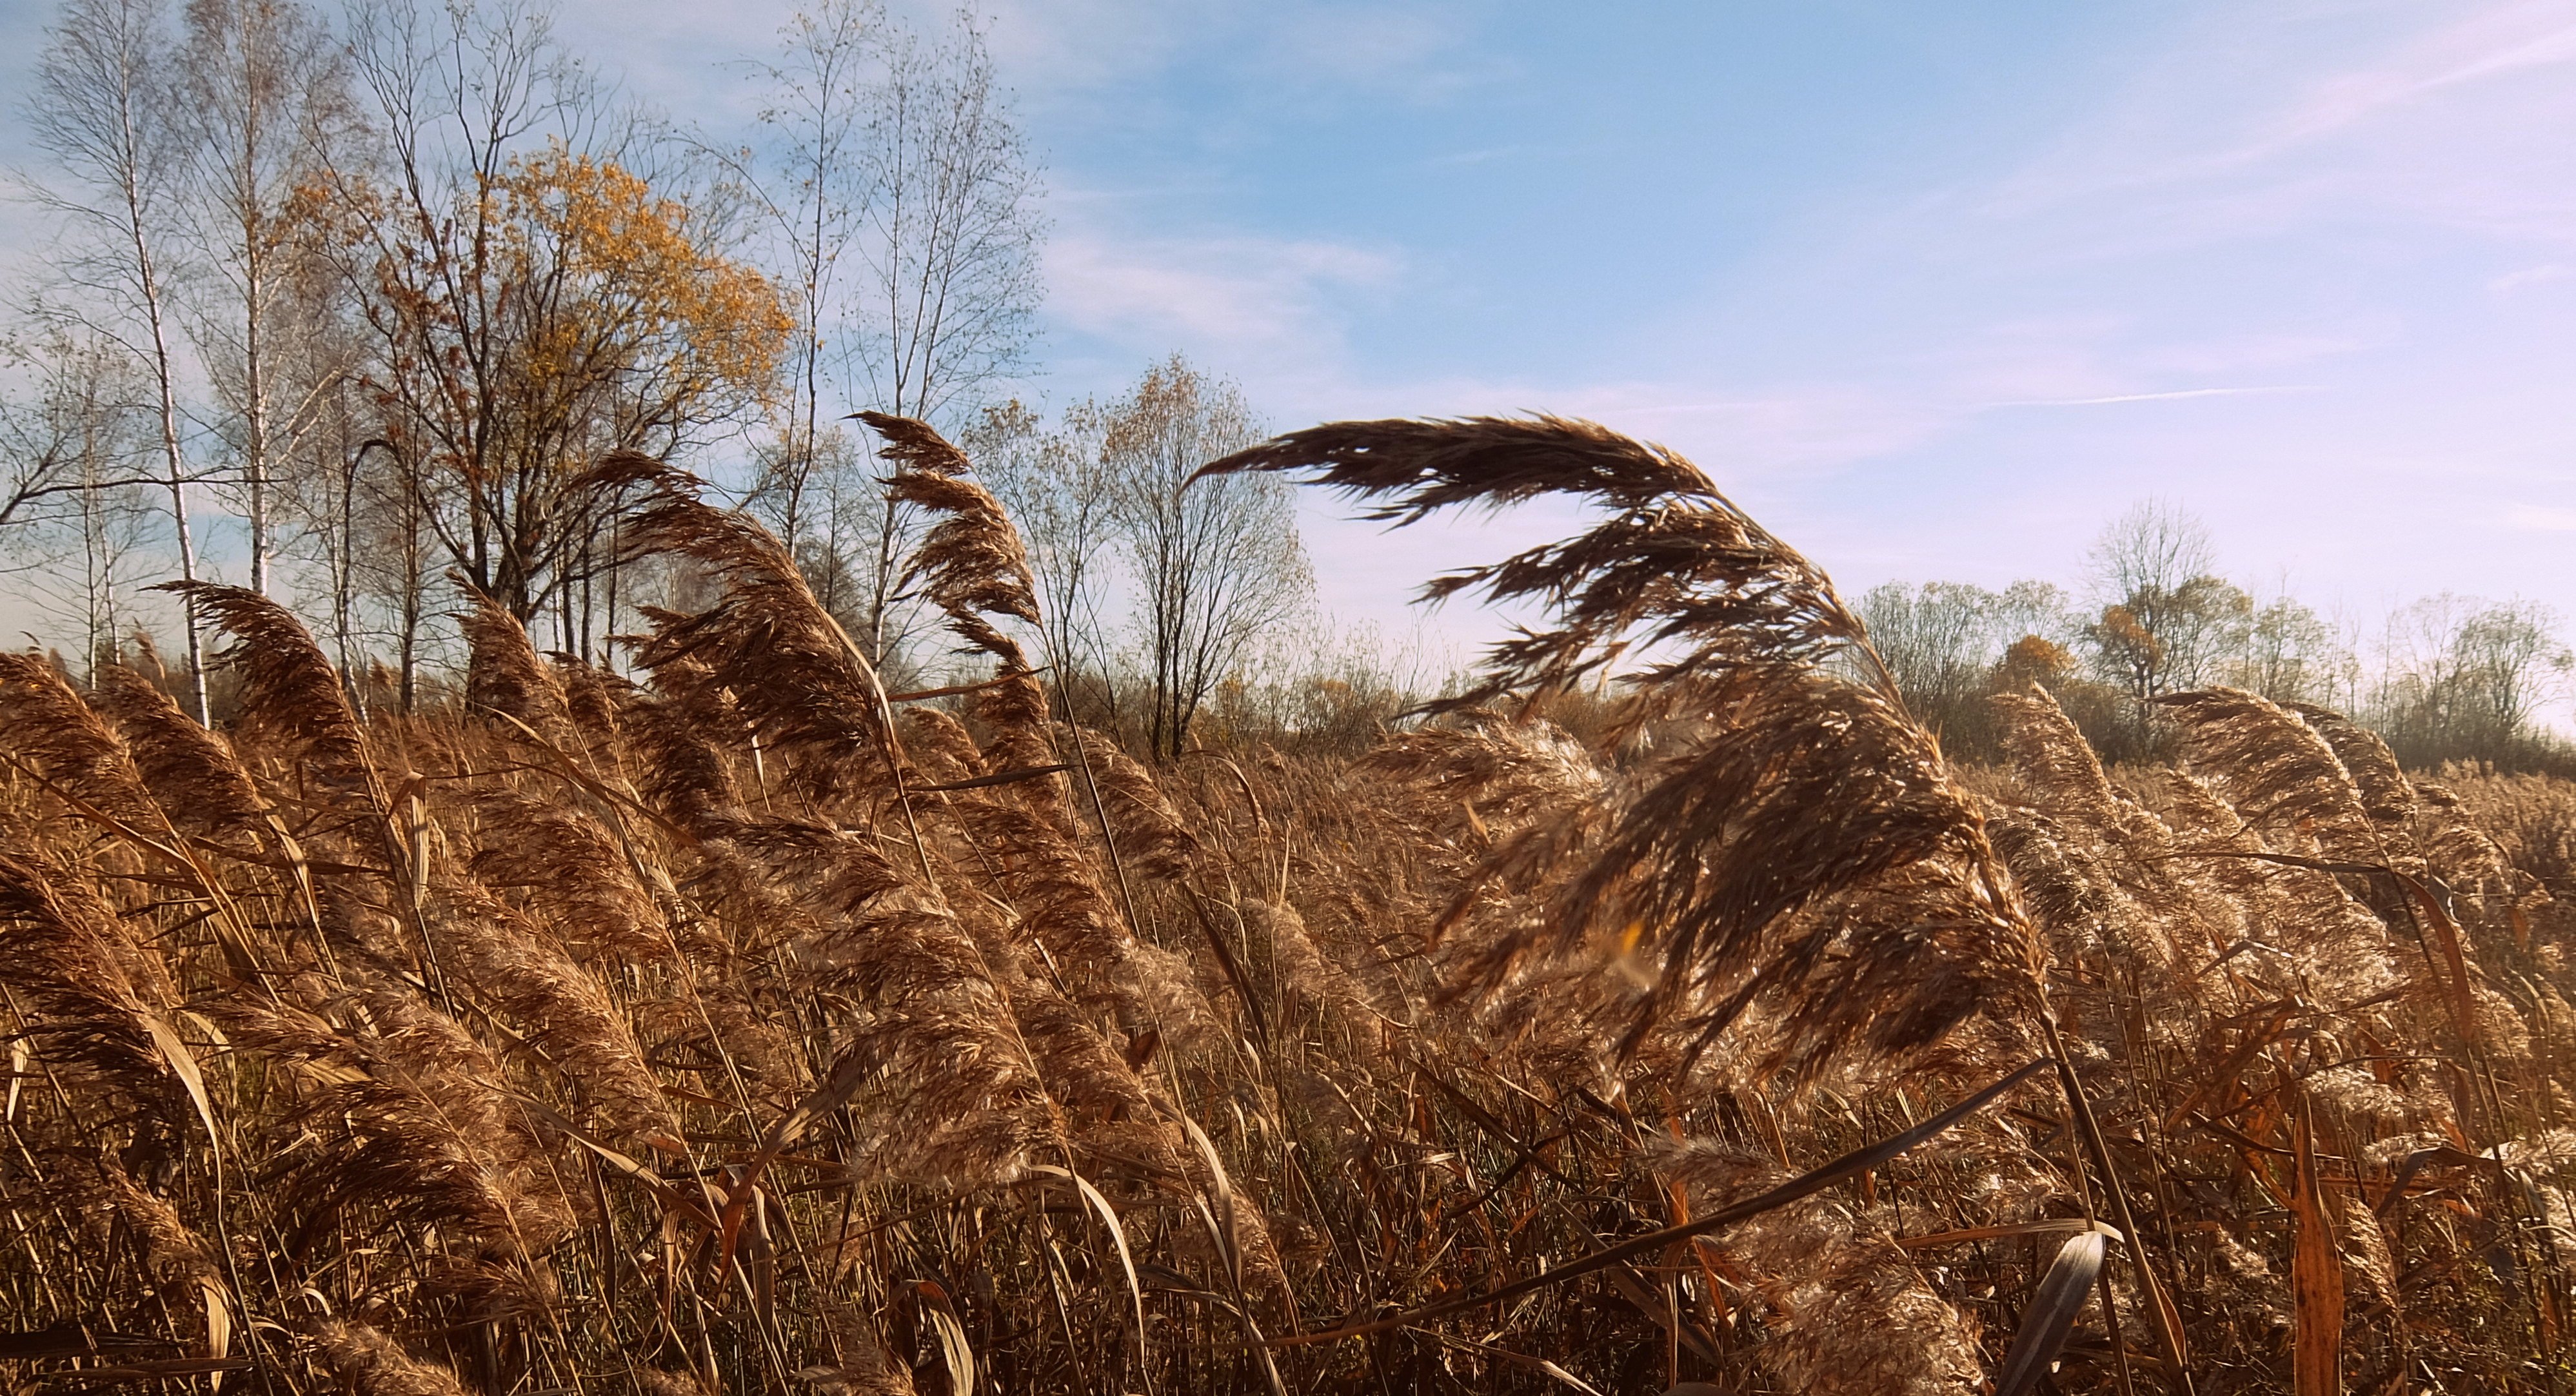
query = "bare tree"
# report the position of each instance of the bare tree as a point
(531, 300)
(79, 452)
(1938, 642)
(102, 108)
(810, 180)
(2289, 654)
(1944, 642)
(2168, 622)
(100, 536)
(324, 495)
(50, 441)
(264, 99)
(1215, 563)
(2466, 679)
(2153, 547)
(952, 235)
(952, 226)
(1060, 491)
(398, 553)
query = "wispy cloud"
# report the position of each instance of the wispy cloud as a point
(2481, 43)
(2176, 395)
(1251, 304)
(2540, 275)
(2541, 518)
(1075, 51)
(2259, 121)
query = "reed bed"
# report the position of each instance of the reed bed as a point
(742, 1026)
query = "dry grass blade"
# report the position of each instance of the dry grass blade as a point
(2050, 1316)
(2316, 1276)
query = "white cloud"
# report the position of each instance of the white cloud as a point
(2176, 395)
(1252, 304)
(2540, 275)
(2257, 121)
(2541, 518)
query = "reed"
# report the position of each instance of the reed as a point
(752, 1028)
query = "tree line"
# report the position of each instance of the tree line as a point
(358, 294)
(2456, 679)
(365, 290)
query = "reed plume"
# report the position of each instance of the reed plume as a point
(1794, 837)
(1644, 1017)
(502, 671)
(85, 992)
(290, 699)
(45, 726)
(193, 774)
(368, 1362)
(797, 680)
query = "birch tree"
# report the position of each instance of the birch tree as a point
(951, 234)
(263, 108)
(102, 109)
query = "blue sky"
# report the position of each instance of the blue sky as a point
(1933, 290)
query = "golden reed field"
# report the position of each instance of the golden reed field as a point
(745, 1027)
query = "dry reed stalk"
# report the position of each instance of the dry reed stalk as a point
(700, 908)
(2280, 776)
(796, 679)
(957, 1098)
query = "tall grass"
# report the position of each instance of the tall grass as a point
(751, 1028)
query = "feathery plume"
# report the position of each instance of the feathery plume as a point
(1786, 786)
(193, 773)
(566, 1012)
(86, 991)
(795, 677)
(366, 1362)
(291, 699)
(1850, 1312)
(44, 724)
(572, 871)
(502, 671)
